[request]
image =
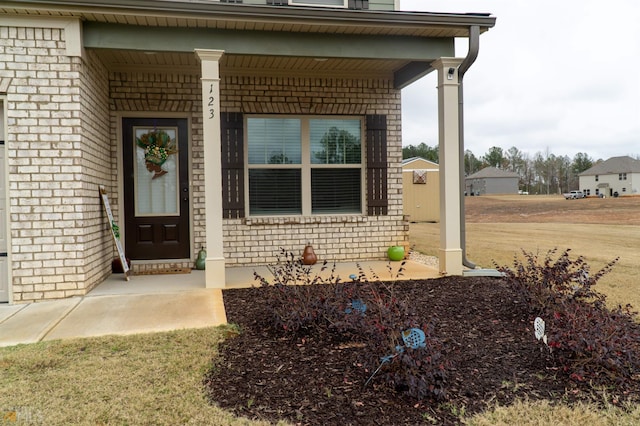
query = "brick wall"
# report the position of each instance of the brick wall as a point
(98, 166)
(335, 238)
(55, 153)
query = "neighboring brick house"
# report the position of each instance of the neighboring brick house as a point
(240, 127)
(492, 180)
(616, 176)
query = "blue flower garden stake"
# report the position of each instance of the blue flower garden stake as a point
(357, 305)
(413, 338)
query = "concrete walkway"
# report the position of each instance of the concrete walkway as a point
(152, 303)
(144, 304)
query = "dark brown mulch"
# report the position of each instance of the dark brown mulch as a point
(489, 343)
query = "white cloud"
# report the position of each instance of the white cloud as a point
(561, 75)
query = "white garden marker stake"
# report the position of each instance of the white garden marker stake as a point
(538, 325)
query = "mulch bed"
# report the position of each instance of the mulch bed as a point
(489, 343)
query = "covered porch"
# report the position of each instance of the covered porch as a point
(392, 49)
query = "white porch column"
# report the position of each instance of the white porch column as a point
(450, 254)
(214, 269)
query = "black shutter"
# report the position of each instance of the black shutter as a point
(377, 203)
(232, 141)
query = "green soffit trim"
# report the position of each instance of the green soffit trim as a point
(163, 39)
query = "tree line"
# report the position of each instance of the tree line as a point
(542, 173)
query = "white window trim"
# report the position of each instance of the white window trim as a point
(345, 4)
(306, 165)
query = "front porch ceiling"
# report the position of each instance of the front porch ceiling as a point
(259, 65)
(400, 58)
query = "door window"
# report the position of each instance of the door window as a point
(156, 172)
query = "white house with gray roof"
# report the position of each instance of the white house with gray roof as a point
(617, 175)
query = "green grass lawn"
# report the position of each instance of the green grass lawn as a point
(153, 379)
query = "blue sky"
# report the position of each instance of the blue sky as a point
(556, 75)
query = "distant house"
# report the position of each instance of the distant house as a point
(421, 189)
(617, 175)
(491, 180)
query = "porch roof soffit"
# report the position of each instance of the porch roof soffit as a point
(254, 65)
(405, 58)
(401, 58)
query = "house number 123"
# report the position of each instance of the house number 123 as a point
(210, 104)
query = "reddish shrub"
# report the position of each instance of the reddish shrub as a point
(588, 341)
(301, 304)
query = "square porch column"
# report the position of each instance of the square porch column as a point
(450, 253)
(214, 269)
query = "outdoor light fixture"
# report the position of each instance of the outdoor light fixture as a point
(450, 73)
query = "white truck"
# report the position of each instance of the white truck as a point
(574, 195)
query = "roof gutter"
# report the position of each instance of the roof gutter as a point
(300, 15)
(472, 54)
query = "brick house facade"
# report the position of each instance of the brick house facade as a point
(64, 103)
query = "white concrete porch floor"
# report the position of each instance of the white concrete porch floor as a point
(153, 303)
(383, 270)
(243, 277)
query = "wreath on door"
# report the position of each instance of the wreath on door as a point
(158, 146)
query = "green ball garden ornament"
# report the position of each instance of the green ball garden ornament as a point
(395, 253)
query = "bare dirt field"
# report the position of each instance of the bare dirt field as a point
(500, 227)
(552, 209)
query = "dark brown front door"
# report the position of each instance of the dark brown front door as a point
(156, 188)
